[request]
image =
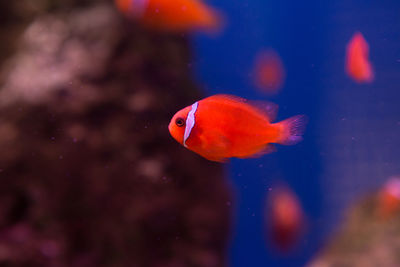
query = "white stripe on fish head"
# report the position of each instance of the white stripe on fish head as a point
(190, 121)
(138, 7)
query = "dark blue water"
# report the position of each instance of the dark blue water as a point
(348, 148)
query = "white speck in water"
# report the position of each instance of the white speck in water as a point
(228, 203)
(61, 157)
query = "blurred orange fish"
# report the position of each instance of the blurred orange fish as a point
(225, 126)
(286, 218)
(269, 72)
(389, 198)
(171, 15)
(358, 65)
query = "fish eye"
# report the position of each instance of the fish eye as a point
(180, 122)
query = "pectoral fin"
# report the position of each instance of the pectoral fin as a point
(215, 147)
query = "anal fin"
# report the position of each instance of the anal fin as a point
(217, 159)
(256, 153)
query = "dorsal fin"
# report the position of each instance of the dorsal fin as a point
(267, 108)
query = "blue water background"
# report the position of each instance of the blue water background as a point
(352, 140)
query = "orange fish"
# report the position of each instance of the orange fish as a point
(286, 218)
(358, 65)
(224, 126)
(269, 72)
(171, 15)
(389, 198)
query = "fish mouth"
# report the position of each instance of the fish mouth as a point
(169, 127)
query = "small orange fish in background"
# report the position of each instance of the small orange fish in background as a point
(389, 198)
(171, 15)
(358, 65)
(286, 218)
(269, 72)
(224, 126)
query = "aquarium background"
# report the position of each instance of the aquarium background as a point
(348, 149)
(91, 176)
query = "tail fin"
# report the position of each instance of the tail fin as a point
(292, 130)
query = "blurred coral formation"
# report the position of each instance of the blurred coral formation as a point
(365, 239)
(85, 165)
